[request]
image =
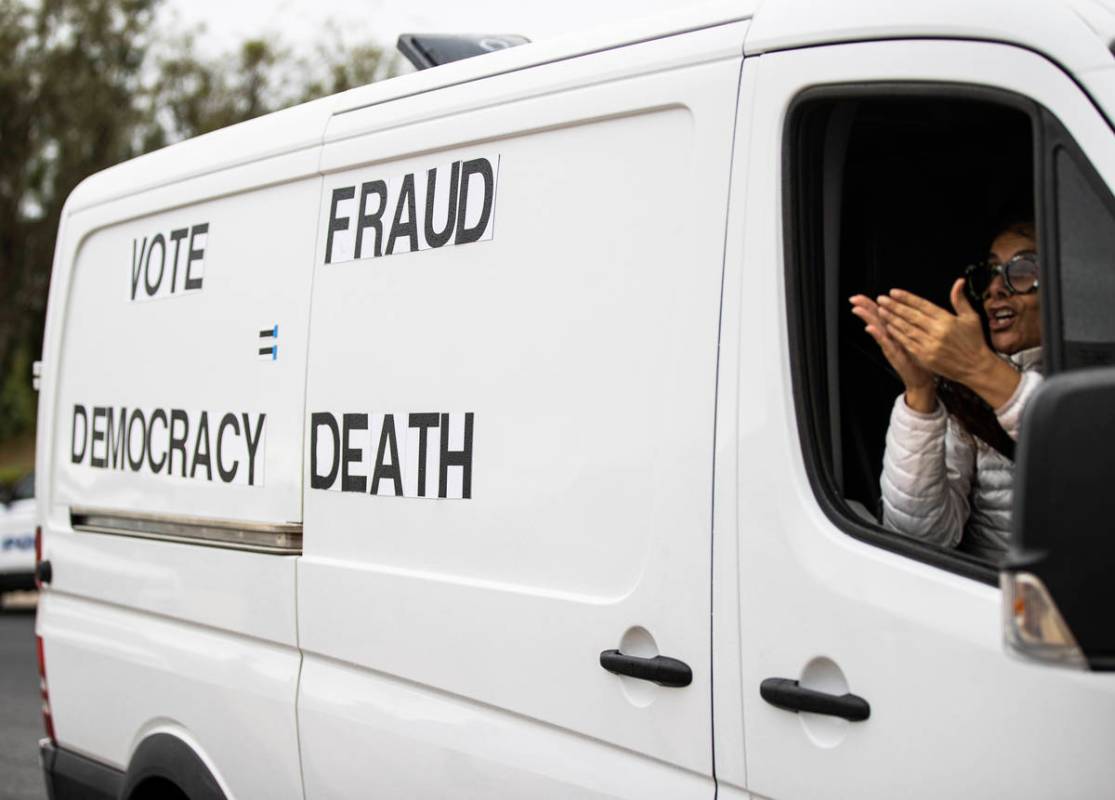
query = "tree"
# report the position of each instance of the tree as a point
(68, 72)
(85, 84)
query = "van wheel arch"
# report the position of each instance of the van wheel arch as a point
(163, 764)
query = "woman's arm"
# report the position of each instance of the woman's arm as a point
(928, 462)
(928, 465)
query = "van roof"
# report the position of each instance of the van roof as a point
(1075, 33)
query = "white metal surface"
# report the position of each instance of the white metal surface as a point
(1052, 27)
(952, 715)
(370, 734)
(118, 675)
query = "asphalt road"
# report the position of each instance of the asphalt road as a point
(21, 724)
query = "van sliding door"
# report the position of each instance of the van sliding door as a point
(509, 431)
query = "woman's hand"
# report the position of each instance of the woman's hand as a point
(920, 389)
(951, 345)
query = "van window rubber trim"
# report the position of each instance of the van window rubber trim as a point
(275, 538)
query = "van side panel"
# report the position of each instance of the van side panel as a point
(567, 355)
(144, 674)
(172, 424)
(165, 401)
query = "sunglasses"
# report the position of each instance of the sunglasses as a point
(1020, 275)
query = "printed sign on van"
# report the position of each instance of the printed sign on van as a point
(159, 259)
(24, 542)
(406, 212)
(203, 446)
(396, 455)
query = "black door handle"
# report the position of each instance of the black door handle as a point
(43, 572)
(663, 670)
(787, 694)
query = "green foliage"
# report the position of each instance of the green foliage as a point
(17, 400)
(193, 95)
(338, 68)
(68, 72)
(85, 84)
(9, 475)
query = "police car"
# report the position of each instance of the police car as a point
(17, 535)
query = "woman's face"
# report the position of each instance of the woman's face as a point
(1014, 319)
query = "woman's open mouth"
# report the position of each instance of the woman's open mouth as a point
(1001, 318)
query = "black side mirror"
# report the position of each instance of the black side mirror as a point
(1059, 576)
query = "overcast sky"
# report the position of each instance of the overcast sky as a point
(302, 22)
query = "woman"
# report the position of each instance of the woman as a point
(942, 483)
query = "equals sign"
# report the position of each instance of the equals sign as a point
(271, 352)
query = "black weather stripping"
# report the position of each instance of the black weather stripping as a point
(662, 670)
(788, 694)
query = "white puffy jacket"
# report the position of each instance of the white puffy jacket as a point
(941, 484)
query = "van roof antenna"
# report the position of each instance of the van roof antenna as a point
(425, 50)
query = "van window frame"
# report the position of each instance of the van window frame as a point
(800, 241)
(1056, 140)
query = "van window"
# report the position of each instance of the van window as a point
(1086, 260)
(905, 187)
(888, 187)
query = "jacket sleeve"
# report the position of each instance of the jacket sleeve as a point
(928, 466)
(1010, 413)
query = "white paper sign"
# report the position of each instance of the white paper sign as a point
(400, 454)
(380, 214)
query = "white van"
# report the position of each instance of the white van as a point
(501, 430)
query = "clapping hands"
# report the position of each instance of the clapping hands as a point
(922, 340)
